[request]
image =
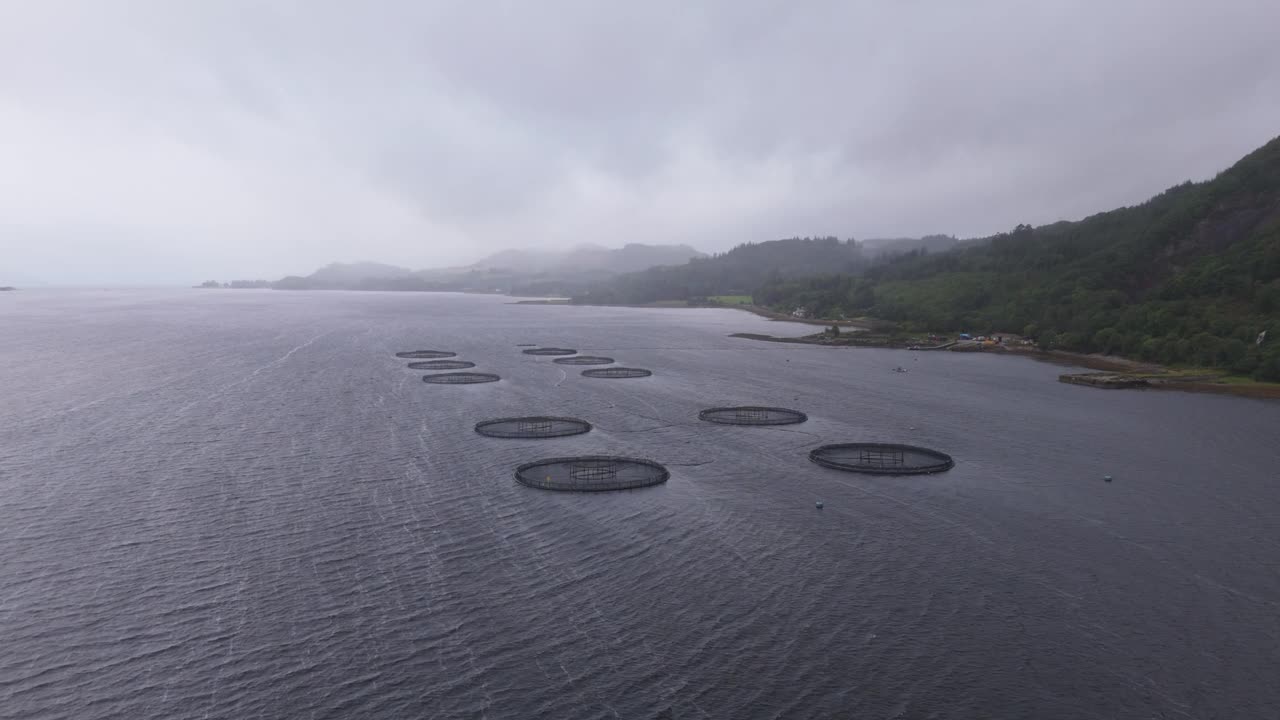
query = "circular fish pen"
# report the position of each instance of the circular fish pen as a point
(425, 354)
(460, 378)
(591, 473)
(584, 360)
(617, 372)
(441, 365)
(752, 415)
(881, 458)
(533, 427)
(549, 351)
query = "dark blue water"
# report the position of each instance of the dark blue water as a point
(239, 504)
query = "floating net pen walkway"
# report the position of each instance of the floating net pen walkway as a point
(549, 351)
(591, 473)
(533, 427)
(425, 354)
(881, 458)
(752, 415)
(584, 360)
(441, 365)
(617, 372)
(460, 378)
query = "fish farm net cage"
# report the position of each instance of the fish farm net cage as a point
(441, 365)
(460, 378)
(425, 354)
(752, 415)
(533, 427)
(584, 360)
(591, 473)
(549, 351)
(881, 458)
(617, 372)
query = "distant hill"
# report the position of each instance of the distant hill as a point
(347, 273)
(588, 258)
(515, 271)
(345, 276)
(634, 257)
(900, 246)
(1191, 276)
(740, 271)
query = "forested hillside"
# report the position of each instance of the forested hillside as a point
(1191, 276)
(513, 271)
(738, 271)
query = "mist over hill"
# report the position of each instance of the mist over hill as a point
(585, 258)
(511, 271)
(750, 266)
(900, 246)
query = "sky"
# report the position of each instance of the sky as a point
(174, 141)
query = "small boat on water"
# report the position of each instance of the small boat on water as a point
(899, 369)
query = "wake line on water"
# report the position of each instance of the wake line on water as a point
(257, 371)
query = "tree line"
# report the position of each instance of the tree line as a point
(1192, 276)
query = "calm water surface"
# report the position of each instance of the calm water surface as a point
(239, 504)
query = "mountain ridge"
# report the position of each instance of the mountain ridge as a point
(748, 266)
(540, 271)
(1189, 277)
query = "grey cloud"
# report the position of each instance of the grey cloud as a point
(159, 141)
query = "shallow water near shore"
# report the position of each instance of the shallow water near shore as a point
(236, 504)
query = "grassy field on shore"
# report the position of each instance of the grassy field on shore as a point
(869, 333)
(730, 299)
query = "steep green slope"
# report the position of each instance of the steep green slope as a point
(1191, 276)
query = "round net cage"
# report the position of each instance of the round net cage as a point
(441, 365)
(425, 354)
(591, 473)
(617, 372)
(584, 360)
(550, 351)
(460, 378)
(533, 427)
(881, 458)
(752, 415)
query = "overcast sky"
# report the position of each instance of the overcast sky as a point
(173, 141)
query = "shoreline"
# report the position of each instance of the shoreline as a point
(1108, 372)
(865, 324)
